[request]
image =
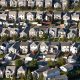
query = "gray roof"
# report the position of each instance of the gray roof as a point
(66, 43)
(67, 66)
(23, 43)
(54, 44)
(60, 77)
(53, 70)
(16, 45)
(42, 69)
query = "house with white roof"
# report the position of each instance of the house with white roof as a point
(39, 3)
(3, 3)
(24, 47)
(21, 15)
(10, 71)
(65, 46)
(74, 48)
(57, 15)
(32, 32)
(72, 59)
(75, 17)
(44, 47)
(66, 16)
(39, 15)
(66, 67)
(31, 3)
(22, 3)
(72, 33)
(12, 15)
(21, 71)
(54, 48)
(48, 3)
(64, 4)
(34, 46)
(53, 32)
(3, 16)
(13, 3)
(30, 16)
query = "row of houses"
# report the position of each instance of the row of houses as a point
(40, 15)
(48, 73)
(38, 3)
(43, 47)
(41, 32)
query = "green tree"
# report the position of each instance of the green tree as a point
(29, 75)
(51, 63)
(5, 38)
(18, 62)
(41, 77)
(61, 61)
(33, 64)
(35, 77)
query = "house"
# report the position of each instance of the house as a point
(48, 16)
(33, 32)
(53, 32)
(49, 57)
(66, 16)
(5, 31)
(13, 31)
(66, 67)
(12, 15)
(39, 71)
(14, 48)
(13, 3)
(44, 47)
(60, 77)
(10, 71)
(1, 73)
(65, 46)
(72, 33)
(51, 73)
(22, 3)
(4, 47)
(21, 15)
(21, 71)
(39, 3)
(39, 15)
(25, 31)
(48, 3)
(24, 47)
(28, 58)
(64, 4)
(61, 33)
(57, 4)
(3, 3)
(75, 17)
(74, 48)
(9, 57)
(3, 16)
(31, 3)
(72, 59)
(30, 16)
(34, 47)
(54, 48)
(57, 15)
(42, 32)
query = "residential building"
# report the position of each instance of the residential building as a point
(66, 67)
(10, 71)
